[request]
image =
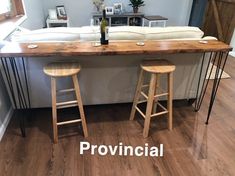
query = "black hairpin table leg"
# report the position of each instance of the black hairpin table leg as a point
(219, 59)
(14, 71)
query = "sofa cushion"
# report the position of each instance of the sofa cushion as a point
(158, 33)
(91, 33)
(47, 34)
(126, 33)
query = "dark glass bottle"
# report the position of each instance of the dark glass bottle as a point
(104, 31)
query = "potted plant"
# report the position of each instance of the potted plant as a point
(98, 4)
(136, 4)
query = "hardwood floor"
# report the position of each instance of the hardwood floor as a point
(191, 148)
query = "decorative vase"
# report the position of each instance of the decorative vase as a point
(135, 9)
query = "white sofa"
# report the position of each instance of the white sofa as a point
(111, 79)
(91, 33)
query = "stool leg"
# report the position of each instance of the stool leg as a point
(54, 111)
(156, 100)
(80, 105)
(169, 102)
(149, 104)
(137, 94)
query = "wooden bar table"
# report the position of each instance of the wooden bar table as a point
(13, 56)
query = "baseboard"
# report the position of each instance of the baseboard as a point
(232, 53)
(5, 123)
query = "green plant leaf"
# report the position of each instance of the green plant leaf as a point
(136, 3)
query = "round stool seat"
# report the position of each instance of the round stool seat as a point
(158, 66)
(60, 69)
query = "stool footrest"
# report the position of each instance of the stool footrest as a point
(144, 95)
(65, 90)
(165, 111)
(159, 113)
(160, 95)
(144, 101)
(140, 111)
(68, 122)
(141, 101)
(152, 115)
(155, 96)
(144, 86)
(159, 104)
(67, 104)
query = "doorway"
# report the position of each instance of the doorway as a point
(197, 13)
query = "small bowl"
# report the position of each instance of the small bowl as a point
(32, 46)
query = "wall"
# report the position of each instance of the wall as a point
(79, 11)
(177, 12)
(232, 43)
(35, 14)
(5, 108)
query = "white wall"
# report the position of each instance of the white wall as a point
(177, 12)
(79, 11)
(35, 14)
(232, 43)
(5, 107)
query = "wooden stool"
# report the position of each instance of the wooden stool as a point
(155, 67)
(60, 69)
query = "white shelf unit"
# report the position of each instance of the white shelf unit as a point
(57, 23)
(124, 19)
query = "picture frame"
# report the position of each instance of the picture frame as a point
(109, 10)
(117, 8)
(61, 13)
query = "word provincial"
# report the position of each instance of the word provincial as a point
(122, 150)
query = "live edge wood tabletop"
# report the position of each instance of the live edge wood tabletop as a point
(114, 48)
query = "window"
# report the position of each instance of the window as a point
(10, 8)
(5, 6)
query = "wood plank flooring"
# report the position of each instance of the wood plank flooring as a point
(191, 148)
